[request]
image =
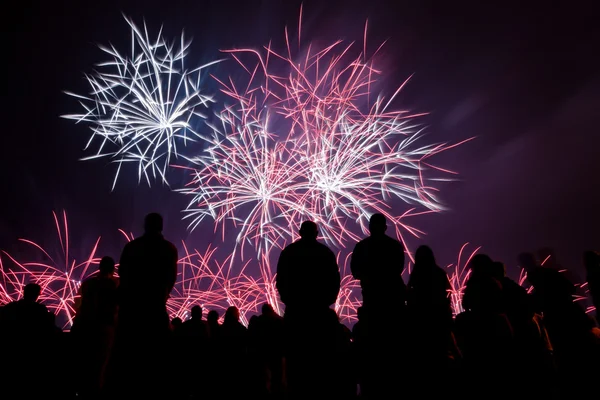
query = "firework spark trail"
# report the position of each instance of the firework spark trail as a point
(459, 277)
(59, 279)
(202, 280)
(306, 144)
(142, 106)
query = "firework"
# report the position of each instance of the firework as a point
(303, 140)
(143, 105)
(59, 277)
(459, 277)
(202, 280)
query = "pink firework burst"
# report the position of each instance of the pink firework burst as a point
(59, 278)
(459, 277)
(306, 138)
(202, 280)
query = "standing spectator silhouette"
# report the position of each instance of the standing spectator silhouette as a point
(94, 326)
(147, 270)
(27, 316)
(430, 328)
(485, 336)
(308, 281)
(266, 332)
(27, 333)
(377, 262)
(233, 353)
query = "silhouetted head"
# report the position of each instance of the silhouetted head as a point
(267, 309)
(176, 322)
(107, 266)
(212, 317)
(527, 261)
(196, 312)
(232, 314)
(377, 224)
(309, 231)
(498, 270)
(32, 291)
(332, 316)
(481, 264)
(424, 256)
(360, 313)
(484, 294)
(153, 223)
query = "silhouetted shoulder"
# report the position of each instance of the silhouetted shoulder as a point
(325, 249)
(392, 241)
(132, 245)
(172, 247)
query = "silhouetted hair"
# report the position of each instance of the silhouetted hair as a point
(176, 321)
(527, 260)
(32, 291)
(232, 314)
(481, 264)
(153, 223)
(309, 230)
(484, 293)
(212, 316)
(377, 224)
(267, 309)
(107, 265)
(424, 255)
(498, 270)
(197, 312)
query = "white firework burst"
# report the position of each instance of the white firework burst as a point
(143, 105)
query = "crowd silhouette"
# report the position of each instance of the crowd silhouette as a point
(406, 343)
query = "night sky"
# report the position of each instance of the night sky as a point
(524, 80)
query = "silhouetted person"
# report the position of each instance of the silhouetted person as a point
(430, 322)
(429, 287)
(176, 325)
(306, 261)
(234, 354)
(94, 326)
(533, 351)
(570, 329)
(266, 334)
(147, 270)
(308, 281)
(214, 328)
(192, 350)
(377, 262)
(196, 327)
(27, 339)
(550, 285)
(591, 261)
(214, 356)
(97, 300)
(486, 340)
(27, 316)
(481, 267)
